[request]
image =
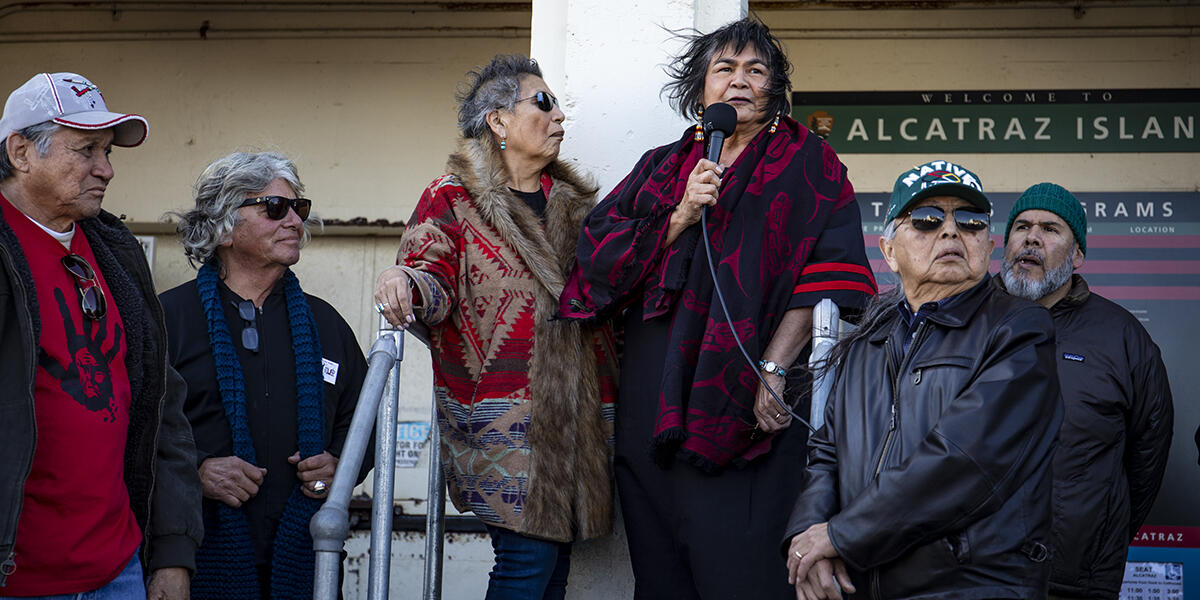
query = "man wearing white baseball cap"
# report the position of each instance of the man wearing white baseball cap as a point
(98, 484)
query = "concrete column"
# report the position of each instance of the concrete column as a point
(604, 60)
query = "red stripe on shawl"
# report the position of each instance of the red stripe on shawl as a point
(825, 286)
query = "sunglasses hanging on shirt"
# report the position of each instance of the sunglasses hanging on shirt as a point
(248, 313)
(277, 206)
(930, 218)
(91, 297)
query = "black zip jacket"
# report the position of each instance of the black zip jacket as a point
(269, 377)
(160, 471)
(933, 471)
(1113, 445)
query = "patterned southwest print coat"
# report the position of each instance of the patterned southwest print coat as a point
(525, 403)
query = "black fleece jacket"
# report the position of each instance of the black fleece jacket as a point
(160, 474)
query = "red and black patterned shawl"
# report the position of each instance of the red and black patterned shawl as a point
(785, 233)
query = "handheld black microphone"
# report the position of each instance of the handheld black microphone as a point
(720, 120)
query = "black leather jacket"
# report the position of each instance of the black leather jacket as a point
(1113, 444)
(160, 467)
(933, 468)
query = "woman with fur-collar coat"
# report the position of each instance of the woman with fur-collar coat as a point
(525, 403)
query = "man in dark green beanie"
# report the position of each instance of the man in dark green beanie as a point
(1116, 431)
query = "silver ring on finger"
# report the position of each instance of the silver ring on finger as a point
(379, 307)
(319, 487)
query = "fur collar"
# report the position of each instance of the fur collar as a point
(569, 494)
(547, 252)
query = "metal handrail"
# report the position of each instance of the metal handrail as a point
(331, 525)
(384, 493)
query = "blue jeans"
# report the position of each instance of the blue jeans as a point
(527, 568)
(128, 585)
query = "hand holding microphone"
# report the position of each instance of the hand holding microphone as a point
(704, 182)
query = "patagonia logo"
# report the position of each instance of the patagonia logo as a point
(1074, 357)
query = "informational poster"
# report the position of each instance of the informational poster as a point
(147, 243)
(410, 440)
(1153, 581)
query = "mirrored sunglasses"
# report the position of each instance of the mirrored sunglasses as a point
(277, 206)
(544, 100)
(930, 218)
(91, 296)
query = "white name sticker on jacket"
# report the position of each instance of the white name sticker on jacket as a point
(330, 369)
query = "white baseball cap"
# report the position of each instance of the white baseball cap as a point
(70, 100)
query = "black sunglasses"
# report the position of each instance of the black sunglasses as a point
(91, 296)
(544, 100)
(277, 206)
(930, 218)
(249, 332)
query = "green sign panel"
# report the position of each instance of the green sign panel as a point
(1021, 121)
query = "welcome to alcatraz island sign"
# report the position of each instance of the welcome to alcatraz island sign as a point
(1016, 121)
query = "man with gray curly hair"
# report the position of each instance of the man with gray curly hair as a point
(96, 485)
(273, 375)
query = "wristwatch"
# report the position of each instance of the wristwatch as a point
(769, 367)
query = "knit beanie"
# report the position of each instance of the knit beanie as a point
(1056, 199)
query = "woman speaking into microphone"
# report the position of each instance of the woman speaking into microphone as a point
(706, 459)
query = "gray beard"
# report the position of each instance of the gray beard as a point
(1032, 289)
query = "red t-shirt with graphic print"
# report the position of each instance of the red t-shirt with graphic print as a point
(77, 531)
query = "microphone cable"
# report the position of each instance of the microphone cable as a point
(729, 320)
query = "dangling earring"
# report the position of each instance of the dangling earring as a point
(774, 124)
(503, 144)
(699, 137)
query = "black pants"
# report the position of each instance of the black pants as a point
(691, 534)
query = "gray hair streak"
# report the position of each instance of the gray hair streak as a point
(493, 87)
(219, 192)
(39, 134)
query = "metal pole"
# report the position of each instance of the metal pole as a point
(435, 511)
(331, 525)
(383, 496)
(825, 335)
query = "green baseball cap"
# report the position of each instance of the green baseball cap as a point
(936, 178)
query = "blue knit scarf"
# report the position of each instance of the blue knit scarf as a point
(225, 562)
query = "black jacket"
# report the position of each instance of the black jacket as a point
(164, 489)
(1113, 444)
(270, 383)
(934, 472)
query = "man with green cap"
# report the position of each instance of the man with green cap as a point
(1116, 432)
(931, 477)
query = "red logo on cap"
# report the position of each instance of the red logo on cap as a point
(943, 175)
(79, 91)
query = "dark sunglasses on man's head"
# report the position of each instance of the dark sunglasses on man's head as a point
(91, 297)
(277, 206)
(544, 100)
(930, 218)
